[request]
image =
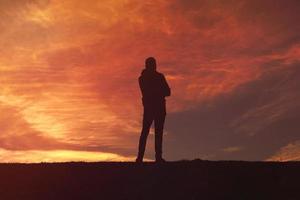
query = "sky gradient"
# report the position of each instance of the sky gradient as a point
(69, 70)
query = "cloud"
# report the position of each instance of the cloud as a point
(260, 116)
(18, 134)
(69, 74)
(232, 149)
(290, 152)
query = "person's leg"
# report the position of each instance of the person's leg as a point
(159, 126)
(147, 121)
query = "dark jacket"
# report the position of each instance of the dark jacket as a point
(154, 87)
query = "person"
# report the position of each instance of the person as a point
(154, 89)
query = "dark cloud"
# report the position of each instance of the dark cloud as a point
(260, 116)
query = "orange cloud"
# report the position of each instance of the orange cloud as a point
(289, 152)
(69, 68)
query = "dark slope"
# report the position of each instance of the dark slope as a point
(174, 180)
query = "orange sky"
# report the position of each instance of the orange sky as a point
(69, 69)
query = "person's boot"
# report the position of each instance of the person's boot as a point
(139, 159)
(159, 160)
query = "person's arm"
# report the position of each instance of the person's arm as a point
(166, 88)
(141, 85)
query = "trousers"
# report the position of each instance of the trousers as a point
(157, 114)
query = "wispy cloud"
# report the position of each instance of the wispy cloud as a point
(68, 71)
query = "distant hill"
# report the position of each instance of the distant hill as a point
(172, 180)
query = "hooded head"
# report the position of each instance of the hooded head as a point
(150, 64)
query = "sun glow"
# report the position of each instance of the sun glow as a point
(36, 156)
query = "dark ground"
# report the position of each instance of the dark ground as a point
(173, 180)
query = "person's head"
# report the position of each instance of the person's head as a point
(150, 64)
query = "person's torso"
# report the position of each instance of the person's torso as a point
(153, 87)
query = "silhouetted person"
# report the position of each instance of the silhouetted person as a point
(154, 88)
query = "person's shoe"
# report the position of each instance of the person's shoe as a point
(160, 160)
(139, 160)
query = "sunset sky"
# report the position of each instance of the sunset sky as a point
(69, 70)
